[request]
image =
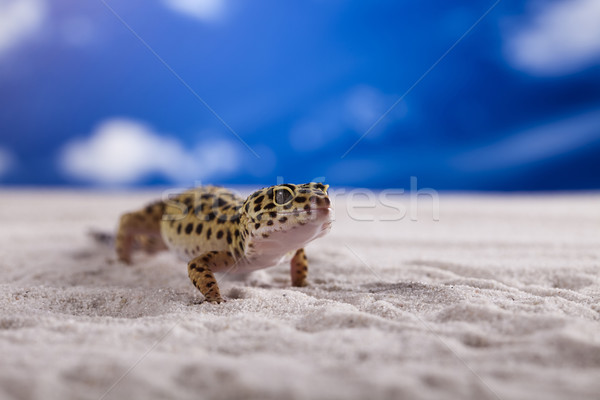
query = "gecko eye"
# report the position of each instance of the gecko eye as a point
(283, 196)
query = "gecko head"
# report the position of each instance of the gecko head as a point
(288, 215)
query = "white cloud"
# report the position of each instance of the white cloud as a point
(364, 105)
(122, 151)
(355, 111)
(6, 161)
(200, 9)
(562, 38)
(19, 20)
(531, 145)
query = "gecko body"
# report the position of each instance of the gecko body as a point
(214, 230)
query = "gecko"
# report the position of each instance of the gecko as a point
(215, 230)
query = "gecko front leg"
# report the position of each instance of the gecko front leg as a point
(200, 271)
(299, 268)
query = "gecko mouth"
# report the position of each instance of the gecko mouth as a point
(317, 210)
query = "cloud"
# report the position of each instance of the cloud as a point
(19, 20)
(364, 105)
(536, 144)
(354, 111)
(6, 161)
(200, 9)
(124, 151)
(562, 38)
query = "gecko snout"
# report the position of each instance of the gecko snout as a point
(321, 202)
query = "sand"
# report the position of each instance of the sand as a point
(499, 299)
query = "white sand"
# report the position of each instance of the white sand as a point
(499, 299)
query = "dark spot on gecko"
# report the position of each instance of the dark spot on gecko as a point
(210, 284)
(229, 237)
(208, 233)
(237, 233)
(307, 207)
(259, 199)
(179, 229)
(199, 229)
(189, 228)
(210, 216)
(282, 219)
(257, 225)
(272, 214)
(219, 234)
(257, 207)
(270, 222)
(269, 206)
(300, 199)
(220, 202)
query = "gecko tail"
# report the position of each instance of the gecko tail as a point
(102, 237)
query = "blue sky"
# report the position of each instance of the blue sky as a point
(515, 105)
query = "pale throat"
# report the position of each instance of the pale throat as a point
(280, 242)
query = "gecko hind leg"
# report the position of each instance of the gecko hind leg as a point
(151, 243)
(140, 229)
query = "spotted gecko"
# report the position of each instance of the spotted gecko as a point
(215, 230)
